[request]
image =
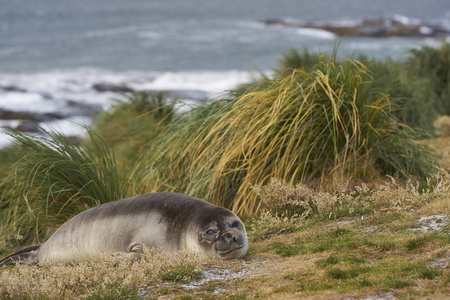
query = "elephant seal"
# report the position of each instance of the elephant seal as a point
(164, 220)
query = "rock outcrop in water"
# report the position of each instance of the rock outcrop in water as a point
(110, 87)
(388, 27)
(27, 119)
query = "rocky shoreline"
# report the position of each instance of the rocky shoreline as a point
(383, 27)
(68, 100)
(28, 119)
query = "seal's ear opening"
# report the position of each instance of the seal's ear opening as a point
(26, 255)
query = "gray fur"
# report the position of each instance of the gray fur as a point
(123, 227)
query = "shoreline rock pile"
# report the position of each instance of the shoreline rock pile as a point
(383, 27)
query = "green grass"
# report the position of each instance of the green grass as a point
(419, 244)
(343, 239)
(352, 260)
(57, 179)
(292, 60)
(286, 250)
(130, 127)
(344, 274)
(330, 261)
(182, 274)
(8, 156)
(419, 85)
(111, 292)
(353, 268)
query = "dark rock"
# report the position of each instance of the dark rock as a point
(371, 28)
(50, 116)
(29, 116)
(75, 108)
(12, 88)
(109, 87)
(15, 115)
(46, 96)
(27, 126)
(289, 23)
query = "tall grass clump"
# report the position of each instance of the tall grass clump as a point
(389, 77)
(288, 62)
(8, 156)
(293, 59)
(56, 179)
(321, 125)
(433, 65)
(420, 85)
(133, 123)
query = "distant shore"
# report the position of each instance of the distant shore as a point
(400, 26)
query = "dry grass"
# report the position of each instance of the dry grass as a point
(97, 279)
(442, 126)
(269, 224)
(286, 206)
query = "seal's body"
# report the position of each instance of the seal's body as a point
(167, 221)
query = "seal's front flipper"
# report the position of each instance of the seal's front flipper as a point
(26, 255)
(133, 255)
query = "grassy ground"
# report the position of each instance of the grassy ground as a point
(387, 249)
(391, 250)
(355, 257)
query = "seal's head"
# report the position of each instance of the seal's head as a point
(224, 237)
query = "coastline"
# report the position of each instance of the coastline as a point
(67, 100)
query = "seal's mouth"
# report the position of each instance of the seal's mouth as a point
(228, 251)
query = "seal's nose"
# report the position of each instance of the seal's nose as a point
(231, 238)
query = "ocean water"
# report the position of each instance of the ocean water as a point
(52, 52)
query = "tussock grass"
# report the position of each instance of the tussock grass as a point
(105, 279)
(433, 64)
(419, 85)
(133, 123)
(8, 155)
(323, 125)
(292, 60)
(56, 179)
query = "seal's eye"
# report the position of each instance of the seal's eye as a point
(234, 224)
(210, 232)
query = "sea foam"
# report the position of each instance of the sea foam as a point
(317, 33)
